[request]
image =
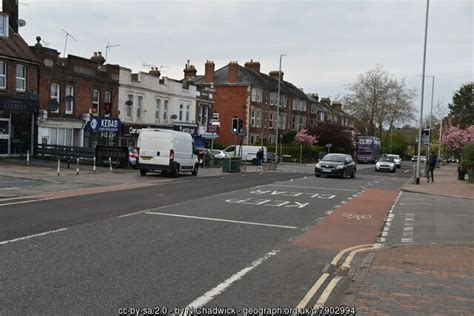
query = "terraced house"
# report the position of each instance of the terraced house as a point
(18, 85)
(247, 93)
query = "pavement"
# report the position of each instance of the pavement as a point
(425, 265)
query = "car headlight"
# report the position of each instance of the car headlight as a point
(318, 165)
(340, 167)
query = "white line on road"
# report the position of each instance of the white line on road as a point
(21, 202)
(208, 296)
(415, 203)
(221, 220)
(306, 187)
(32, 236)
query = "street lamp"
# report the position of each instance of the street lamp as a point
(278, 107)
(417, 181)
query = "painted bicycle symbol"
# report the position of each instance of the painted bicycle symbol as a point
(356, 216)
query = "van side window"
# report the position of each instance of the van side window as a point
(230, 149)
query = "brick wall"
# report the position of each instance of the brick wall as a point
(230, 102)
(31, 78)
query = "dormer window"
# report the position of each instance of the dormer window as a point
(3, 25)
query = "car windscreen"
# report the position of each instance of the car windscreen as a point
(386, 159)
(331, 157)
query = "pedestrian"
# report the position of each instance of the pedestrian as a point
(431, 166)
(259, 157)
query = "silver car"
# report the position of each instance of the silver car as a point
(396, 159)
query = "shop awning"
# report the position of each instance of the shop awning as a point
(62, 123)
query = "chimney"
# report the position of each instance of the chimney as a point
(337, 105)
(100, 58)
(189, 71)
(154, 71)
(326, 101)
(274, 74)
(94, 57)
(315, 96)
(209, 72)
(232, 72)
(253, 65)
(10, 7)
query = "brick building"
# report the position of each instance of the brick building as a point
(18, 85)
(78, 99)
(247, 93)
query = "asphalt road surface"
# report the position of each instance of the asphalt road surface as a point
(193, 241)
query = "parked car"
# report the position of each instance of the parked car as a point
(452, 160)
(386, 164)
(397, 159)
(220, 154)
(415, 158)
(340, 165)
(133, 157)
(249, 153)
(166, 151)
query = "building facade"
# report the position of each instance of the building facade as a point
(146, 100)
(78, 100)
(19, 90)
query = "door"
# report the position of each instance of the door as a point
(5, 128)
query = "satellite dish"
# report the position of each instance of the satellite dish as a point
(174, 117)
(53, 105)
(129, 102)
(21, 22)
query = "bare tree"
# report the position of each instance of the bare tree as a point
(378, 100)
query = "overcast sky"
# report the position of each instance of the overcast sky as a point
(327, 42)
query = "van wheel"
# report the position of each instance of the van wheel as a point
(143, 172)
(195, 170)
(175, 170)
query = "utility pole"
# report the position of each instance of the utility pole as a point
(278, 106)
(417, 180)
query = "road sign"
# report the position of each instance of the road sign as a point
(328, 145)
(212, 128)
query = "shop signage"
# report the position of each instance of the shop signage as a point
(104, 124)
(18, 104)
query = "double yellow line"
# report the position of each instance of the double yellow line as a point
(332, 284)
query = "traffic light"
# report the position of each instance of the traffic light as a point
(241, 126)
(235, 125)
(426, 132)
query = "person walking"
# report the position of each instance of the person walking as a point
(260, 157)
(431, 166)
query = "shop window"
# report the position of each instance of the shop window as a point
(20, 78)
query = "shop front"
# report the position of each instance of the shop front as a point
(102, 131)
(17, 119)
(59, 131)
(130, 132)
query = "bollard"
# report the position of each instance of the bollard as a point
(59, 166)
(110, 164)
(77, 166)
(93, 167)
(27, 157)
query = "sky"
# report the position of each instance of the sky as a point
(327, 43)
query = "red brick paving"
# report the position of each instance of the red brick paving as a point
(338, 232)
(419, 280)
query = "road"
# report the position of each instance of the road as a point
(243, 240)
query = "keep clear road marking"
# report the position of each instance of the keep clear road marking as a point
(32, 236)
(211, 294)
(221, 220)
(306, 187)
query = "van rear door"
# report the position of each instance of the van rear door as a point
(155, 147)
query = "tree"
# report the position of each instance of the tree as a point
(335, 134)
(462, 108)
(455, 138)
(303, 138)
(377, 100)
(288, 137)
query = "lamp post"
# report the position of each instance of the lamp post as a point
(417, 180)
(431, 114)
(278, 107)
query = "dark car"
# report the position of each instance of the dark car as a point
(133, 157)
(340, 165)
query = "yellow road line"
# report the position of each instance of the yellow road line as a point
(324, 297)
(347, 262)
(313, 290)
(342, 252)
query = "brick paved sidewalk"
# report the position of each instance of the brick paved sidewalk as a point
(446, 183)
(419, 280)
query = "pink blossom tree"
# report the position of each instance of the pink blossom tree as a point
(455, 138)
(303, 138)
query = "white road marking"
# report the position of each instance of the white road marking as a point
(410, 203)
(32, 236)
(313, 290)
(306, 187)
(211, 294)
(21, 202)
(221, 220)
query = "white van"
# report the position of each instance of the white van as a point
(166, 151)
(249, 153)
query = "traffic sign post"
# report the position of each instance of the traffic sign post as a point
(328, 146)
